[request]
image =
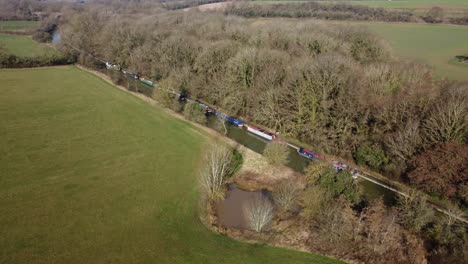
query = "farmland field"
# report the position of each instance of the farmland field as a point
(435, 45)
(91, 174)
(21, 26)
(24, 46)
(412, 3)
(452, 8)
(385, 3)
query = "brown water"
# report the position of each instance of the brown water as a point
(230, 212)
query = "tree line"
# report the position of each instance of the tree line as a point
(328, 11)
(340, 11)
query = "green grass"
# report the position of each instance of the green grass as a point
(413, 3)
(24, 46)
(19, 25)
(91, 174)
(385, 3)
(452, 8)
(435, 45)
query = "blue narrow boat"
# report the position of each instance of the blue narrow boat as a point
(237, 122)
(308, 153)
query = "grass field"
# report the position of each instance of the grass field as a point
(413, 3)
(22, 26)
(24, 46)
(91, 174)
(452, 8)
(435, 45)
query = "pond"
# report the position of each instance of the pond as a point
(230, 210)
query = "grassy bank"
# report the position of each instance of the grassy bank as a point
(24, 46)
(91, 174)
(20, 26)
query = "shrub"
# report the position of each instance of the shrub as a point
(195, 113)
(371, 155)
(276, 153)
(286, 195)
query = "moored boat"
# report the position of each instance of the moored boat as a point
(260, 132)
(308, 153)
(232, 120)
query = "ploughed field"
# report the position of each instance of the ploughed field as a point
(24, 46)
(91, 174)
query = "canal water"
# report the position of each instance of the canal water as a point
(297, 162)
(56, 37)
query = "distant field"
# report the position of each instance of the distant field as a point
(24, 46)
(435, 45)
(19, 25)
(452, 8)
(91, 174)
(413, 3)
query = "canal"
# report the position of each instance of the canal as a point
(297, 162)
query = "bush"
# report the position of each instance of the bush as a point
(372, 156)
(286, 195)
(195, 113)
(340, 183)
(13, 61)
(276, 153)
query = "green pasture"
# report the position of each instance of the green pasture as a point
(22, 26)
(91, 174)
(386, 3)
(412, 3)
(435, 45)
(451, 8)
(24, 46)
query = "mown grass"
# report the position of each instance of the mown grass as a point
(24, 46)
(22, 26)
(435, 45)
(91, 174)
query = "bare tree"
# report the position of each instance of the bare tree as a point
(286, 195)
(259, 213)
(406, 141)
(218, 166)
(448, 120)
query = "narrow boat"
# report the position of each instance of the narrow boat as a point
(237, 122)
(260, 132)
(339, 166)
(308, 153)
(147, 82)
